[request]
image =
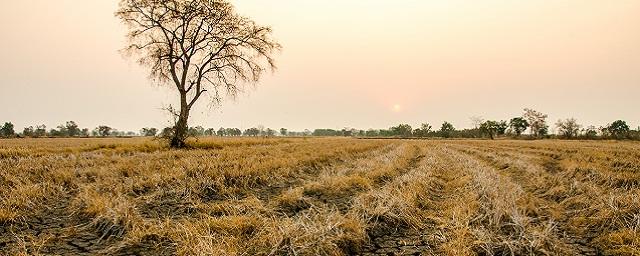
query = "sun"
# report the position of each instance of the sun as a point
(397, 107)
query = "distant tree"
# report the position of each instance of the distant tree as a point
(28, 132)
(591, 132)
(261, 129)
(618, 129)
(84, 132)
(40, 131)
(447, 130)
(72, 129)
(385, 133)
(403, 130)
(231, 132)
(476, 121)
(372, 133)
(210, 132)
(327, 132)
(568, 128)
(197, 46)
(423, 131)
(148, 132)
(306, 132)
(7, 130)
(518, 125)
(604, 131)
(117, 133)
(490, 128)
(270, 132)
(537, 122)
(252, 132)
(61, 131)
(635, 135)
(283, 131)
(426, 128)
(104, 130)
(348, 132)
(502, 127)
(544, 131)
(57, 133)
(196, 131)
(221, 132)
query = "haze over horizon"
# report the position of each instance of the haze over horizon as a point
(361, 64)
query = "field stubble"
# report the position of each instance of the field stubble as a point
(319, 196)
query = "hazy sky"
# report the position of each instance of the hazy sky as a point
(363, 64)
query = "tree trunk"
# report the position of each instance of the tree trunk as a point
(180, 129)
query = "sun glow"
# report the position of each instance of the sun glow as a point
(397, 108)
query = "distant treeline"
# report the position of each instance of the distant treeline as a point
(532, 121)
(496, 129)
(532, 125)
(69, 129)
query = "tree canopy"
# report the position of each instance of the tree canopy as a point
(518, 125)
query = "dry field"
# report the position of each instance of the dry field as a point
(319, 196)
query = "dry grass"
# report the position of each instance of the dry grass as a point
(319, 196)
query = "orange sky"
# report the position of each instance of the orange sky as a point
(363, 64)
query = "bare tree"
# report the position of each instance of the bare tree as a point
(198, 46)
(568, 128)
(476, 121)
(537, 122)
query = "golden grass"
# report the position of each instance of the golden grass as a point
(319, 196)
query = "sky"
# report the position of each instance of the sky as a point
(362, 64)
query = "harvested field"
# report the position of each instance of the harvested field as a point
(319, 196)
